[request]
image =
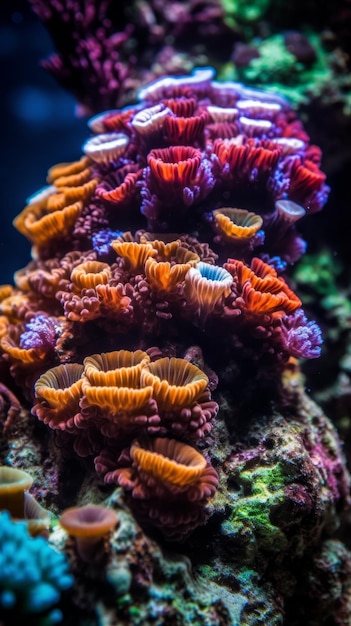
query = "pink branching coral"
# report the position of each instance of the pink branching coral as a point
(104, 51)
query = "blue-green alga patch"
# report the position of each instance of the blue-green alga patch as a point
(262, 489)
(244, 11)
(277, 69)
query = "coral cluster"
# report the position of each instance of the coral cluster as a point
(32, 575)
(122, 259)
(162, 252)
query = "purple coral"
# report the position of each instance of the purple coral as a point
(106, 50)
(40, 332)
(91, 58)
(300, 337)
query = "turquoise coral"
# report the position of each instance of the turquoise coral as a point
(32, 574)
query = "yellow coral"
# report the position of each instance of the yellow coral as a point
(90, 274)
(236, 224)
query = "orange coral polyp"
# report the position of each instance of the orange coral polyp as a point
(90, 274)
(12, 305)
(176, 383)
(186, 256)
(245, 156)
(25, 356)
(260, 303)
(177, 165)
(173, 250)
(5, 292)
(116, 399)
(4, 324)
(134, 253)
(165, 250)
(120, 368)
(62, 170)
(236, 224)
(61, 386)
(113, 297)
(164, 276)
(169, 461)
(40, 229)
(72, 194)
(262, 290)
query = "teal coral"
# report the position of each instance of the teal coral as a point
(32, 574)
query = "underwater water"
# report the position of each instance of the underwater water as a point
(39, 118)
(162, 368)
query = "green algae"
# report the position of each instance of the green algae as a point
(319, 272)
(263, 490)
(244, 11)
(278, 70)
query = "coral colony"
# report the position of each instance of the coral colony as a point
(157, 255)
(32, 574)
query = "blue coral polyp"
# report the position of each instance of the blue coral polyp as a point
(206, 285)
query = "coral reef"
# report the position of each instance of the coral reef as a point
(149, 359)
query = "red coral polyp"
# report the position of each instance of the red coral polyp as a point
(305, 180)
(260, 291)
(240, 158)
(174, 167)
(185, 130)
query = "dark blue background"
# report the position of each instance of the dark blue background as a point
(38, 124)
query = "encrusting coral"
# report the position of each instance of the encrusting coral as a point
(173, 263)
